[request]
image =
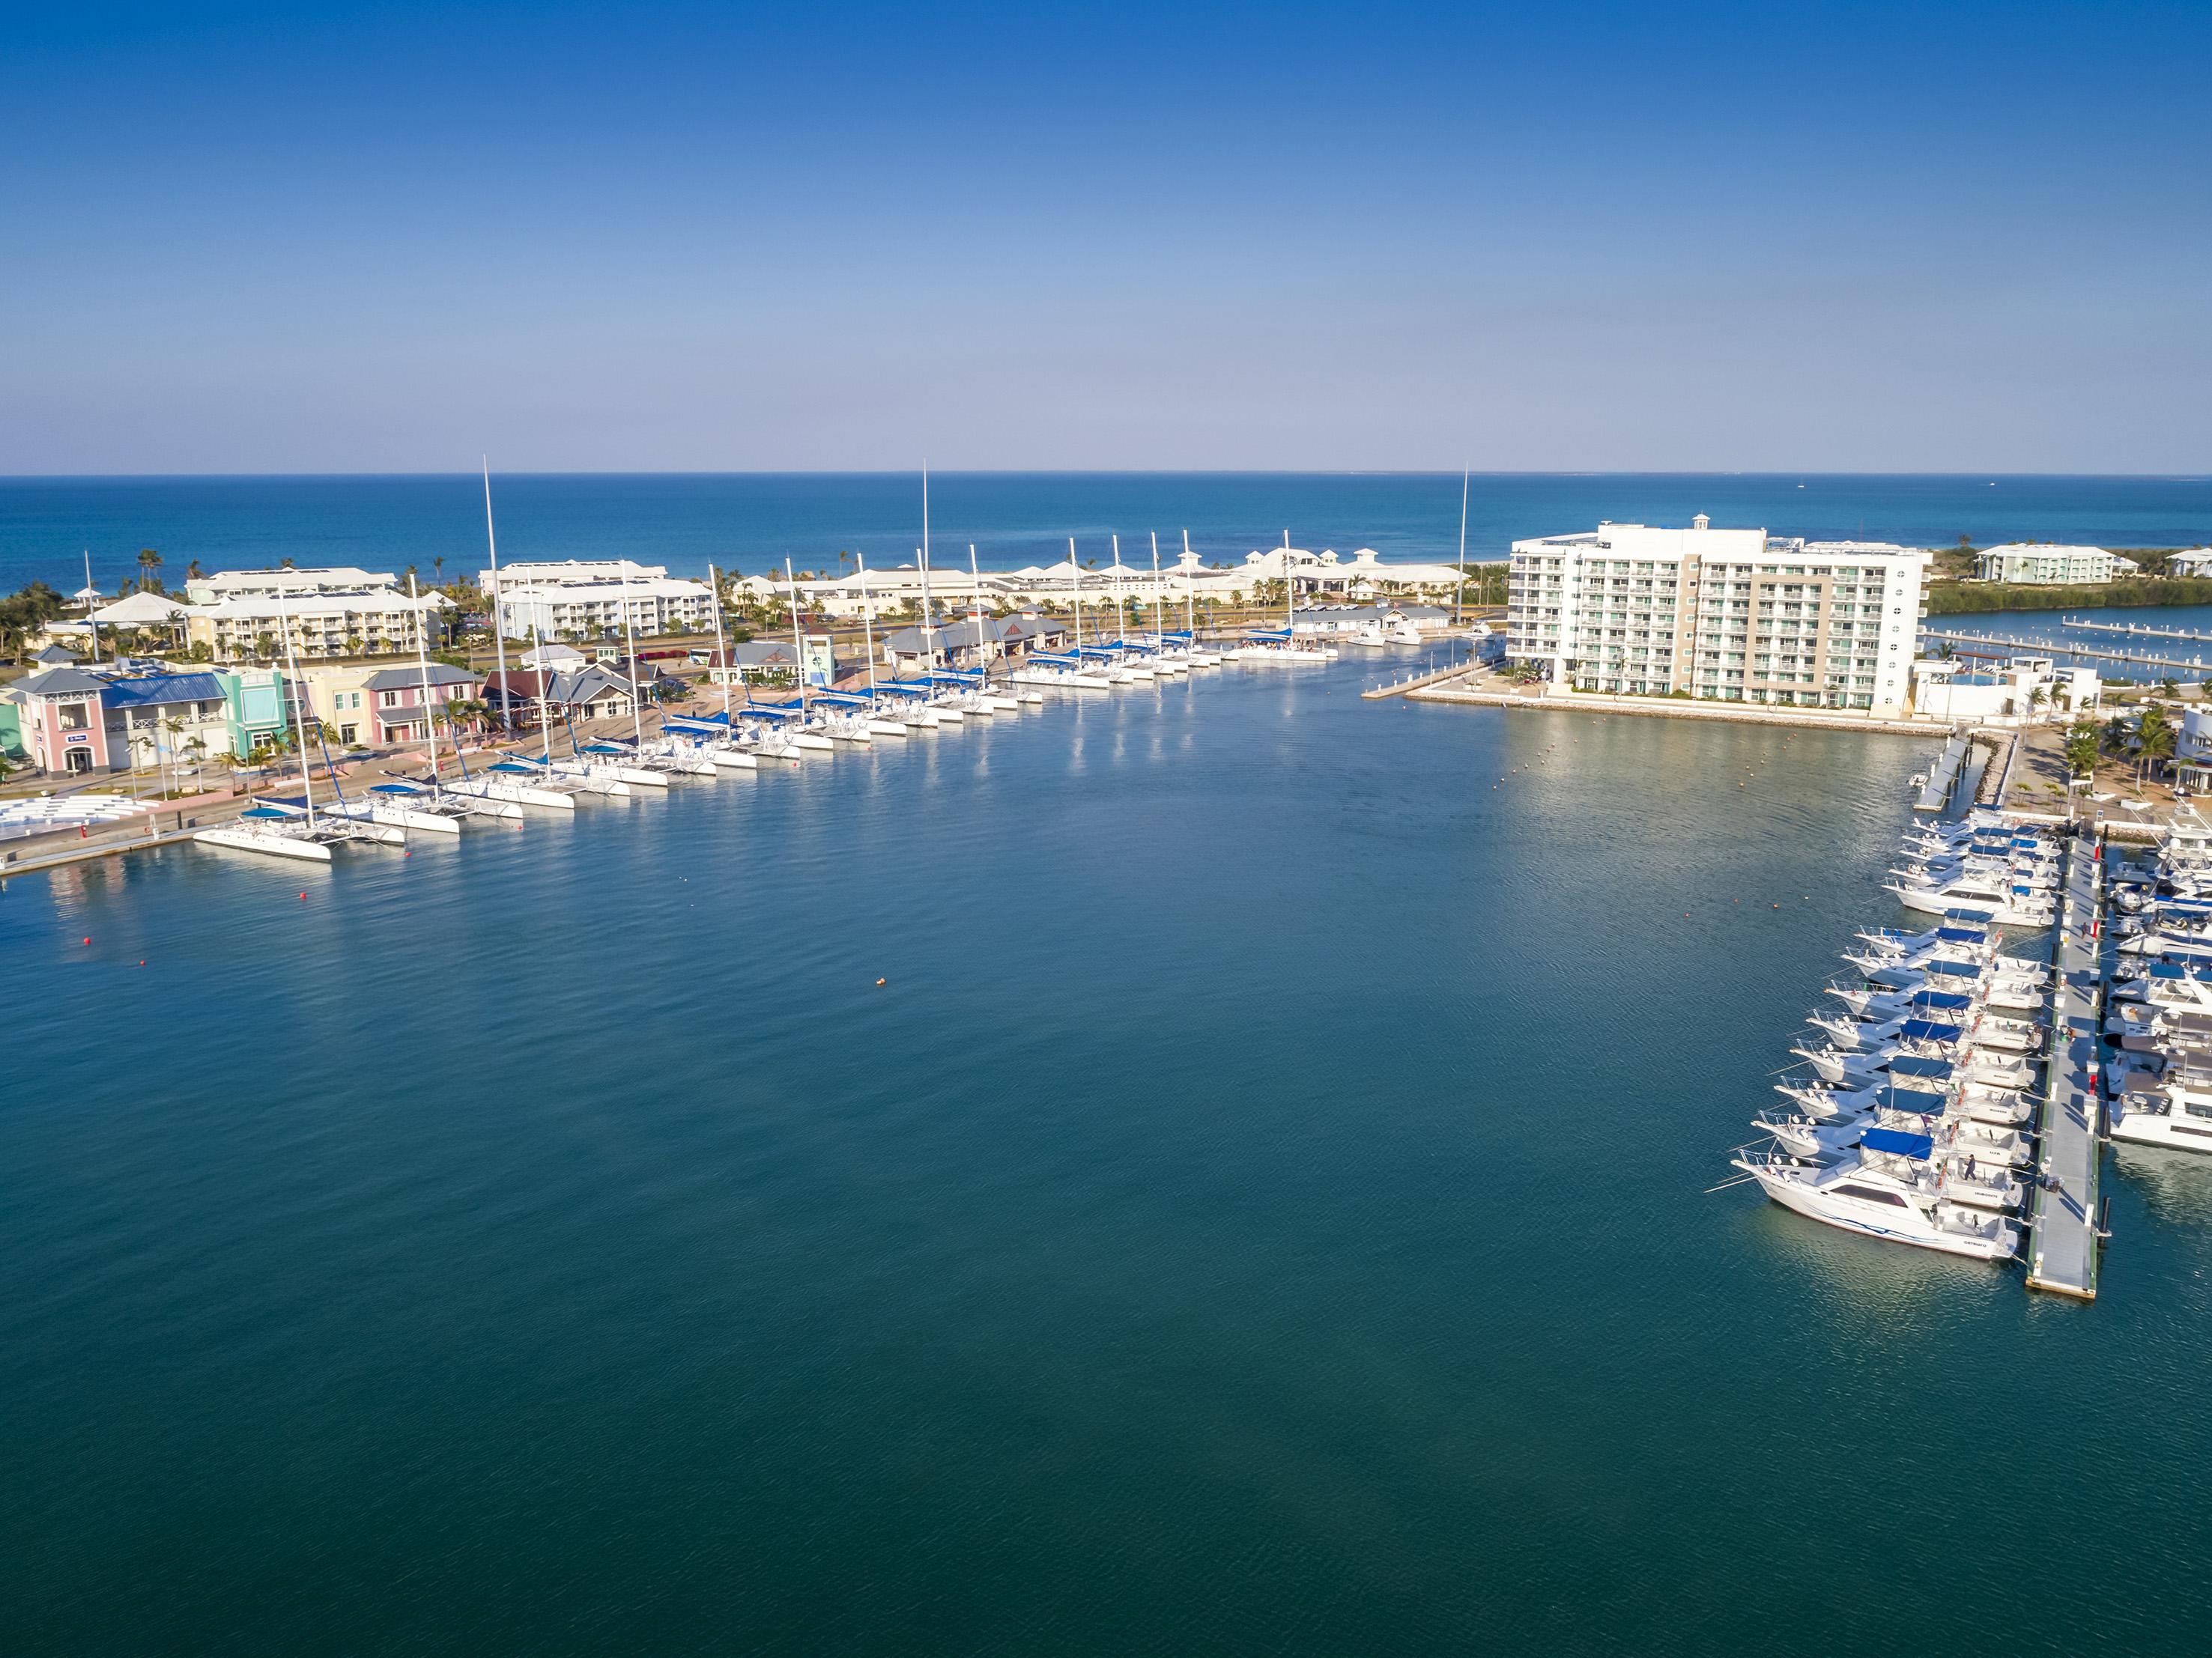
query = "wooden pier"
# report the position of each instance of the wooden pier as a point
(2062, 1241)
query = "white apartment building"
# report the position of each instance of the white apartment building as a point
(251, 627)
(594, 598)
(2029, 563)
(1731, 615)
(264, 583)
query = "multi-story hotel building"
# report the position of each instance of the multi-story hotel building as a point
(1733, 614)
(594, 598)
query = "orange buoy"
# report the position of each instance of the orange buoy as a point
(879, 982)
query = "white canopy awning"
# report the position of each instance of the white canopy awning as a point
(141, 611)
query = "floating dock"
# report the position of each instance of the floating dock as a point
(1936, 792)
(1996, 645)
(2136, 630)
(2062, 1253)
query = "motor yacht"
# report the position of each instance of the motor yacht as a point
(1876, 1201)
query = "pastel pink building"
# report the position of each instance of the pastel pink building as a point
(64, 728)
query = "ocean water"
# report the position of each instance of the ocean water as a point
(752, 522)
(1263, 1209)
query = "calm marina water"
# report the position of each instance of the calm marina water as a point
(1263, 1211)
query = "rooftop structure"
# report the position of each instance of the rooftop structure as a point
(235, 584)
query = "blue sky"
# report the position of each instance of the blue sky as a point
(1834, 237)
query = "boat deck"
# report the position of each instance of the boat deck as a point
(2063, 1248)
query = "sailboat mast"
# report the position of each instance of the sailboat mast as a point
(544, 676)
(976, 609)
(1121, 624)
(299, 699)
(498, 621)
(422, 662)
(1158, 637)
(1459, 605)
(629, 634)
(1189, 594)
(798, 644)
(1075, 581)
(88, 615)
(867, 627)
(721, 651)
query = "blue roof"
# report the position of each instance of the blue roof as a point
(1927, 1030)
(1919, 1101)
(1962, 935)
(163, 688)
(1953, 970)
(514, 765)
(1910, 1064)
(397, 788)
(1904, 1146)
(264, 811)
(1949, 1000)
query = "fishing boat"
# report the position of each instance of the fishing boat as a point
(1877, 1201)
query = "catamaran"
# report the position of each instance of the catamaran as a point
(280, 828)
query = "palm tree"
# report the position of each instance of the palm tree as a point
(2035, 695)
(149, 562)
(2153, 741)
(194, 573)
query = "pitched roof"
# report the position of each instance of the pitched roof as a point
(400, 679)
(55, 654)
(164, 687)
(60, 682)
(140, 610)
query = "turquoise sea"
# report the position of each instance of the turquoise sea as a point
(754, 521)
(1263, 1209)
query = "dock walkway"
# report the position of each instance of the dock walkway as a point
(2062, 1242)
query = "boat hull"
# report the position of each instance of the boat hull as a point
(276, 846)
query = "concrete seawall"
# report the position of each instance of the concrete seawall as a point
(1684, 709)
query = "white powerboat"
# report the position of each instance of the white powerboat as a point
(1874, 1201)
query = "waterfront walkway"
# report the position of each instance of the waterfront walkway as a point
(2062, 1245)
